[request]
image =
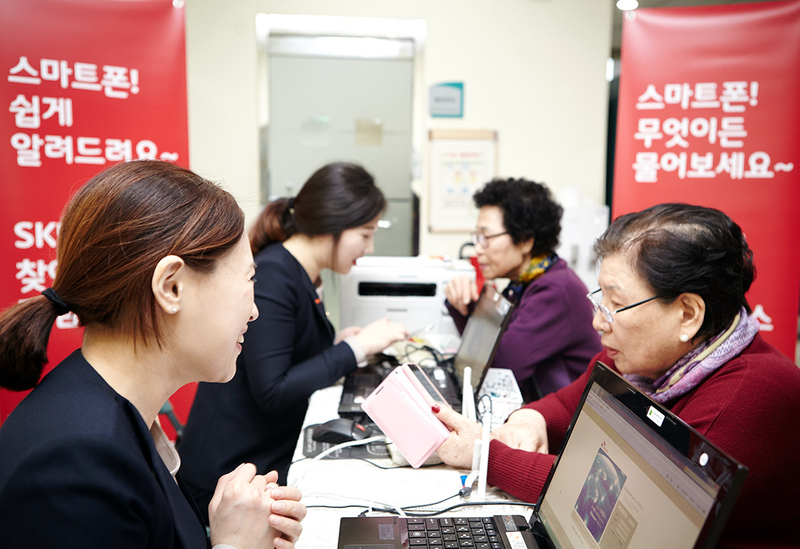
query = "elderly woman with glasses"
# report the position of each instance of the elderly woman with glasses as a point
(550, 338)
(675, 322)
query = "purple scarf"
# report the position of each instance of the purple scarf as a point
(700, 362)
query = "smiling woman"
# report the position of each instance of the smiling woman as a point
(219, 309)
(291, 350)
(153, 261)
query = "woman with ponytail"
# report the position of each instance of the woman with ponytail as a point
(291, 350)
(154, 262)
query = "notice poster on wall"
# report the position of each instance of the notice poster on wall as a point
(86, 84)
(707, 117)
(462, 162)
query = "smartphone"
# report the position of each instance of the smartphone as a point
(427, 384)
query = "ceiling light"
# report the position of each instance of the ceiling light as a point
(627, 5)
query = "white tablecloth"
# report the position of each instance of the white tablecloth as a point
(341, 482)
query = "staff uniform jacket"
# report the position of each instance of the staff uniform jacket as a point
(79, 469)
(288, 353)
(749, 407)
(550, 337)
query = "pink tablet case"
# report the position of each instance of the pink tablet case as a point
(401, 407)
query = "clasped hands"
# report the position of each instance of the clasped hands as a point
(250, 511)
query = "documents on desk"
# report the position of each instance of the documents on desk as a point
(501, 387)
(342, 482)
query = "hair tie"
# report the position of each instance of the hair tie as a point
(290, 203)
(58, 304)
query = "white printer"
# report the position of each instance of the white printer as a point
(409, 290)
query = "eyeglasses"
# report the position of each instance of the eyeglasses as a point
(597, 303)
(480, 239)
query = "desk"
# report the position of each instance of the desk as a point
(341, 481)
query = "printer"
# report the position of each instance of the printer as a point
(409, 290)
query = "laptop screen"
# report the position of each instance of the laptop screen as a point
(482, 334)
(619, 483)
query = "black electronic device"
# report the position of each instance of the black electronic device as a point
(339, 430)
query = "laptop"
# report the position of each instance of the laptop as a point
(479, 342)
(629, 474)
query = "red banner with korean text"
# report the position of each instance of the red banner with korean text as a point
(709, 115)
(85, 84)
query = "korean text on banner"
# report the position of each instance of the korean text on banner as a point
(86, 84)
(708, 117)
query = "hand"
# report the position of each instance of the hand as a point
(375, 337)
(345, 333)
(458, 449)
(460, 291)
(286, 514)
(240, 513)
(525, 429)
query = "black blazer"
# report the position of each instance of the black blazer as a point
(79, 469)
(288, 353)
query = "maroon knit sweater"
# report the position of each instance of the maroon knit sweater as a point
(749, 407)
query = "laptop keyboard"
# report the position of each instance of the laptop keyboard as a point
(453, 533)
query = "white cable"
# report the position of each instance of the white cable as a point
(369, 503)
(332, 449)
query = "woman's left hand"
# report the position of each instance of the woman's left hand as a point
(459, 447)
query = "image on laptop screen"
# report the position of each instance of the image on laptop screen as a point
(482, 334)
(619, 485)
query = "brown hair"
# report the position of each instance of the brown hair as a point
(113, 233)
(337, 197)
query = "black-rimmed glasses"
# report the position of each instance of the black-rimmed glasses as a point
(597, 303)
(480, 239)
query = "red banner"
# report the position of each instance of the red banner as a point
(86, 84)
(708, 115)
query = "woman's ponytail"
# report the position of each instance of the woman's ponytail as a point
(275, 224)
(24, 333)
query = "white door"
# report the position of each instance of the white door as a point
(344, 99)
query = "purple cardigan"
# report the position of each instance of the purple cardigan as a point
(550, 335)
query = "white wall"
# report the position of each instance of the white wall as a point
(533, 70)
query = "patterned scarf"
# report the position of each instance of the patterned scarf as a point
(700, 362)
(536, 267)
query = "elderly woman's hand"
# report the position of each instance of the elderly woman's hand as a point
(458, 449)
(460, 291)
(525, 429)
(251, 511)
